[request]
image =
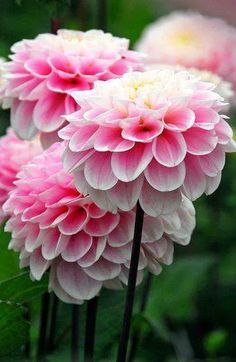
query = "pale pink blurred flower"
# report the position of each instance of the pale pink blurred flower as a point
(147, 136)
(55, 227)
(45, 70)
(14, 153)
(192, 40)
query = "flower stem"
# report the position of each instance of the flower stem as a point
(102, 14)
(55, 25)
(90, 329)
(43, 326)
(52, 328)
(75, 333)
(143, 303)
(27, 316)
(131, 285)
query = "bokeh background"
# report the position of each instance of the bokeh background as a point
(190, 314)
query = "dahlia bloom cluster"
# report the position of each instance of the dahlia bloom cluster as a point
(84, 247)
(14, 153)
(192, 40)
(150, 137)
(44, 71)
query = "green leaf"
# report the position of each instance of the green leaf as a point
(227, 270)
(214, 341)
(9, 260)
(174, 292)
(21, 288)
(14, 329)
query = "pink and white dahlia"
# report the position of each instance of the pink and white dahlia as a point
(56, 228)
(222, 87)
(45, 70)
(147, 136)
(14, 153)
(192, 40)
(3, 83)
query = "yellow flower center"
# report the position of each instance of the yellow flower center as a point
(183, 39)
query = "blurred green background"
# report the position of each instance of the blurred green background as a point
(190, 315)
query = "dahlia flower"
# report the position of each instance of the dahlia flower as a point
(3, 81)
(14, 153)
(45, 70)
(56, 228)
(222, 87)
(192, 40)
(147, 136)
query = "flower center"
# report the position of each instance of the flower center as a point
(183, 39)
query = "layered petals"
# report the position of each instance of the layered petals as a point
(147, 137)
(14, 153)
(44, 71)
(84, 248)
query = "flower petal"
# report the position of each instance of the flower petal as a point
(98, 171)
(200, 141)
(123, 232)
(164, 178)
(179, 119)
(109, 139)
(169, 149)
(127, 166)
(48, 111)
(126, 194)
(74, 221)
(195, 180)
(76, 282)
(78, 245)
(21, 119)
(38, 265)
(156, 203)
(206, 118)
(83, 138)
(214, 162)
(103, 270)
(102, 226)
